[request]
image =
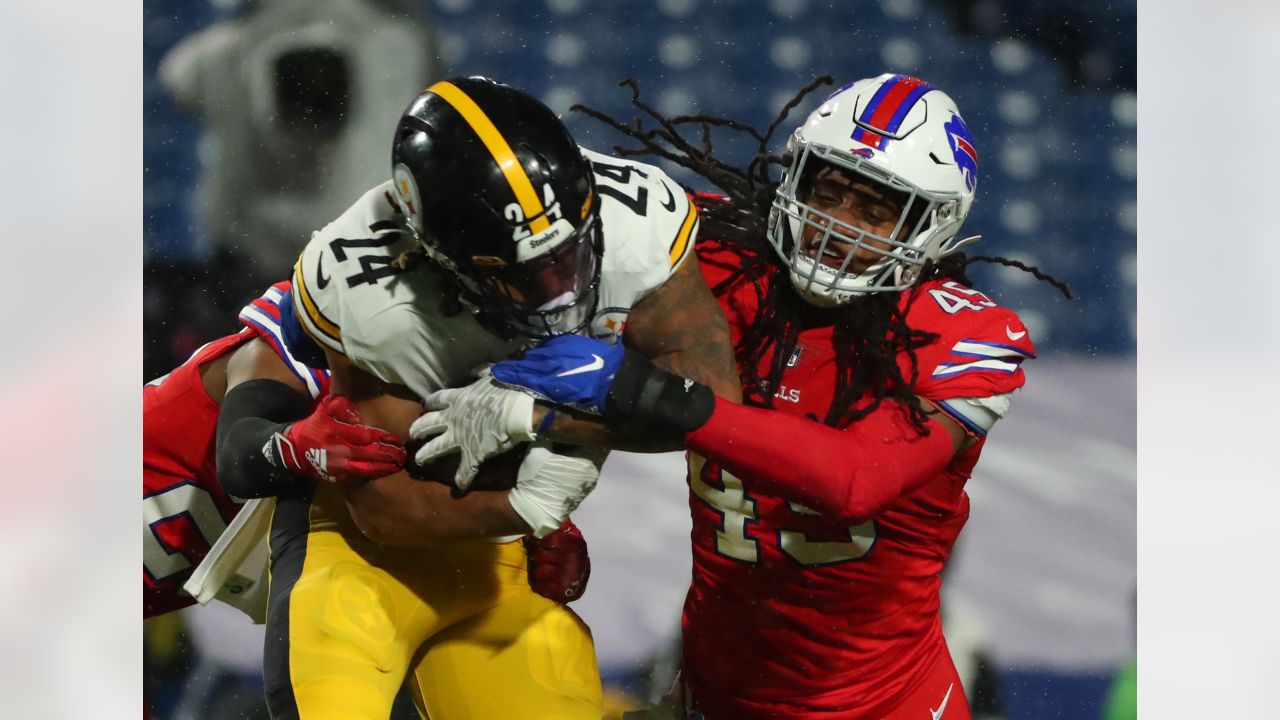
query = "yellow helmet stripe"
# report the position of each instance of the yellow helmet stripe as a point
(502, 154)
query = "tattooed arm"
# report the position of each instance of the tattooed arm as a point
(682, 329)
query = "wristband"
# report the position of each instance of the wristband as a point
(644, 394)
(547, 419)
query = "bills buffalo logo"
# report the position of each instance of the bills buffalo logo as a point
(962, 149)
(862, 152)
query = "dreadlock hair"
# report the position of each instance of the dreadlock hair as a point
(416, 258)
(868, 336)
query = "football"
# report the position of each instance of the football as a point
(496, 473)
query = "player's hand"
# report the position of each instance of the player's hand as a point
(558, 563)
(569, 370)
(623, 386)
(333, 445)
(479, 421)
(550, 485)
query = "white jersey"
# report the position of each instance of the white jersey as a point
(351, 299)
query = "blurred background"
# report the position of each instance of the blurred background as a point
(264, 119)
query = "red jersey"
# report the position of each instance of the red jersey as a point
(800, 615)
(184, 509)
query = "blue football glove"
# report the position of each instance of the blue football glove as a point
(569, 370)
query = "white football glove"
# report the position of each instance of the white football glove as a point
(480, 420)
(550, 485)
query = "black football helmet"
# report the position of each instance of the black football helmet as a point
(500, 196)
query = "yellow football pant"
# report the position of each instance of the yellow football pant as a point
(349, 620)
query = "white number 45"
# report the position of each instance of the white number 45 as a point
(952, 303)
(738, 510)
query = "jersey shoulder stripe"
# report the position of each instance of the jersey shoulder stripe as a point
(264, 315)
(338, 278)
(649, 225)
(977, 415)
(968, 355)
(321, 328)
(680, 247)
(300, 345)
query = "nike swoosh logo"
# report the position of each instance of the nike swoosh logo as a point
(1014, 335)
(670, 204)
(592, 366)
(945, 698)
(321, 281)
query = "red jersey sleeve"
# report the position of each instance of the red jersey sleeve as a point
(852, 473)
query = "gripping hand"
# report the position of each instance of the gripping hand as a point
(568, 370)
(608, 380)
(479, 421)
(559, 566)
(550, 485)
(332, 445)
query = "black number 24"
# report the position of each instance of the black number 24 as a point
(372, 267)
(621, 174)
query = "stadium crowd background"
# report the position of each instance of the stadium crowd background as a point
(1044, 575)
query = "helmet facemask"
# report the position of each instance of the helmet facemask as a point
(839, 262)
(554, 293)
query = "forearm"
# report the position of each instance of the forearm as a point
(712, 369)
(590, 431)
(850, 474)
(398, 510)
(680, 329)
(251, 413)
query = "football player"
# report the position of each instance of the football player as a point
(826, 505)
(186, 509)
(495, 229)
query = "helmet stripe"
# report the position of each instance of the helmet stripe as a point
(888, 108)
(502, 154)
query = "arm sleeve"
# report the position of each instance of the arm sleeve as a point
(850, 474)
(251, 413)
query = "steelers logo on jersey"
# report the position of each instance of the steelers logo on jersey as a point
(608, 324)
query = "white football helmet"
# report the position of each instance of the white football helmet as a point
(898, 132)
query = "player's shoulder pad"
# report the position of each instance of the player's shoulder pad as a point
(320, 302)
(980, 347)
(270, 316)
(649, 220)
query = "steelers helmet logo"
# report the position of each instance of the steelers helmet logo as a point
(407, 194)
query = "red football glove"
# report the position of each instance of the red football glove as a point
(332, 445)
(558, 563)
